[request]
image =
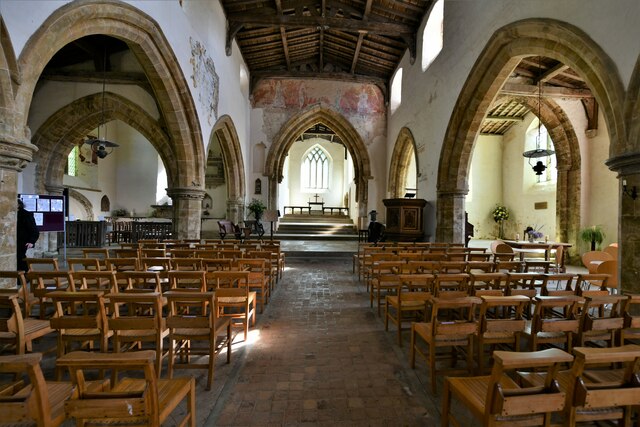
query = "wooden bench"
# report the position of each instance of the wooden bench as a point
(300, 208)
(332, 208)
(144, 401)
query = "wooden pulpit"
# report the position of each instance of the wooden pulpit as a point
(405, 219)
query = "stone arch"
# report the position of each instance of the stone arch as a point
(84, 202)
(226, 133)
(506, 48)
(567, 148)
(69, 125)
(299, 123)
(147, 42)
(404, 148)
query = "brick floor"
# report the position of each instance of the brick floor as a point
(320, 356)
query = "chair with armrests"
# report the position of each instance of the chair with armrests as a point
(592, 259)
(443, 331)
(193, 318)
(16, 331)
(409, 302)
(31, 400)
(499, 400)
(602, 385)
(140, 400)
(136, 319)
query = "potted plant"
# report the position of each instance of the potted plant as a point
(593, 235)
(256, 207)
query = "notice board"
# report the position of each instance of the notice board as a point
(48, 211)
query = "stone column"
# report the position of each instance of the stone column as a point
(450, 216)
(187, 208)
(14, 156)
(628, 168)
(235, 210)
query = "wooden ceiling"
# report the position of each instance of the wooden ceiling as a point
(352, 40)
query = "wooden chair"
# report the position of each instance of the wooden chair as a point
(16, 331)
(383, 277)
(146, 252)
(443, 331)
(80, 319)
(96, 281)
(217, 264)
(451, 285)
(630, 332)
(143, 281)
(188, 327)
(185, 263)
(31, 400)
(259, 280)
(135, 401)
(546, 327)
(190, 281)
(239, 305)
(45, 282)
(592, 259)
(127, 253)
(271, 268)
(587, 284)
(17, 282)
(502, 252)
(558, 284)
(602, 385)
(135, 319)
(612, 250)
(77, 264)
(97, 253)
(409, 303)
(509, 266)
(601, 320)
(501, 323)
(479, 283)
(609, 267)
(498, 399)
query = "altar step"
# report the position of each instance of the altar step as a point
(313, 227)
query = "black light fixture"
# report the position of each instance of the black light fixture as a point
(633, 193)
(101, 146)
(538, 152)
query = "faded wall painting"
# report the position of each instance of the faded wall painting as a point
(205, 80)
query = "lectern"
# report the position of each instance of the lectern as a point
(405, 219)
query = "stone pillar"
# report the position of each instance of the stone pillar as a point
(235, 210)
(450, 216)
(14, 156)
(187, 211)
(628, 168)
(49, 242)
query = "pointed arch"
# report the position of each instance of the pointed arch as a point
(403, 150)
(507, 46)
(147, 42)
(83, 201)
(226, 133)
(298, 124)
(69, 125)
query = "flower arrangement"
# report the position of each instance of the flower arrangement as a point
(256, 207)
(500, 213)
(533, 233)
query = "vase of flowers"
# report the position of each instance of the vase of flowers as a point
(256, 207)
(500, 215)
(533, 233)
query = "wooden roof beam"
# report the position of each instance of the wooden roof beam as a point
(553, 72)
(516, 89)
(283, 35)
(361, 34)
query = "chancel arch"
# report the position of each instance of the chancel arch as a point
(403, 156)
(300, 123)
(507, 47)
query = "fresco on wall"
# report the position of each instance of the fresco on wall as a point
(205, 79)
(362, 104)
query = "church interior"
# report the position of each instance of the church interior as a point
(305, 123)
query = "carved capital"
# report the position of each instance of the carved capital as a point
(625, 164)
(186, 193)
(54, 189)
(15, 154)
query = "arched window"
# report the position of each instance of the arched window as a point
(72, 162)
(550, 173)
(396, 90)
(314, 174)
(433, 35)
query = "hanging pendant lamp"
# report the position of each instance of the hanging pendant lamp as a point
(538, 152)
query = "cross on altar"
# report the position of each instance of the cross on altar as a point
(316, 197)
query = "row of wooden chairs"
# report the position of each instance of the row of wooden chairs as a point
(141, 399)
(462, 324)
(595, 384)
